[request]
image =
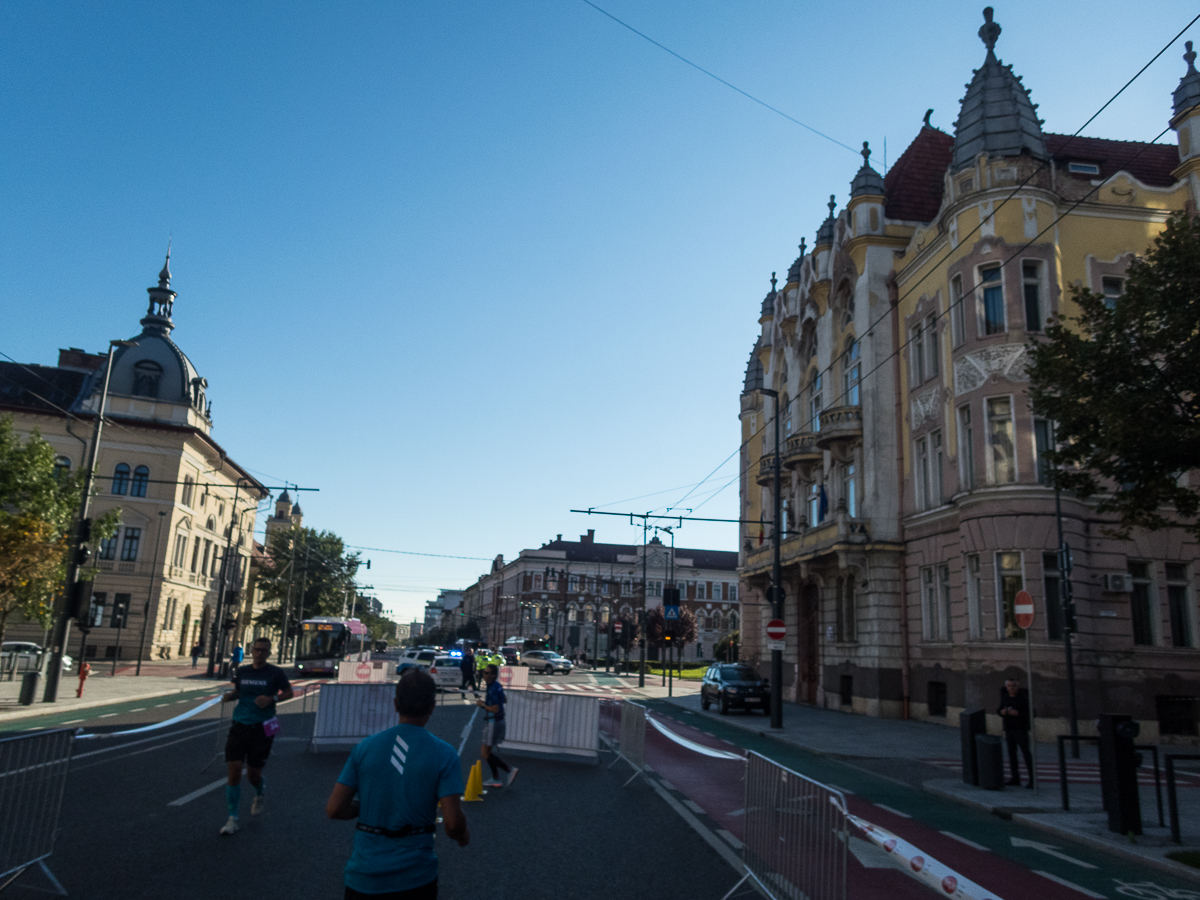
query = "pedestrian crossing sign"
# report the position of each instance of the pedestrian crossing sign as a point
(671, 613)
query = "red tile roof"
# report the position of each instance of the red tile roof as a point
(914, 183)
(1151, 164)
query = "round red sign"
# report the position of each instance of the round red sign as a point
(617, 627)
(1023, 607)
(363, 672)
(776, 630)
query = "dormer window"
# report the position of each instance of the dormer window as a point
(1079, 168)
(146, 376)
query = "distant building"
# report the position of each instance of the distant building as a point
(914, 493)
(183, 500)
(568, 591)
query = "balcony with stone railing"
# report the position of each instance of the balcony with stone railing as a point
(803, 456)
(766, 470)
(841, 429)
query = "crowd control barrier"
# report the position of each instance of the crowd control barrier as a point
(347, 713)
(373, 672)
(33, 778)
(631, 738)
(795, 845)
(553, 723)
(514, 677)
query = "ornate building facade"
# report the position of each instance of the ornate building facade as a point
(914, 491)
(184, 503)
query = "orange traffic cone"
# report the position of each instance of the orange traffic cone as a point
(474, 783)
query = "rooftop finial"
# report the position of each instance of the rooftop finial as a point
(832, 206)
(164, 277)
(802, 246)
(1190, 57)
(866, 154)
(989, 31)
(772, 282)
(928, 113)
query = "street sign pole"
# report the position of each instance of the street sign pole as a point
(1023, 607)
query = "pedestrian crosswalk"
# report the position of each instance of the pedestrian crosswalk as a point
(580, 688)
(1079, 771)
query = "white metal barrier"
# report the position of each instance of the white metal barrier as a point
(631, 738)
(553, 723)
(372, 672)
(795, 845)
(33, 779)
(514, 677)
(347, 713)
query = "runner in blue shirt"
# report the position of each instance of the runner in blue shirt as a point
(492, 705)
(256, 688)
(401, 776)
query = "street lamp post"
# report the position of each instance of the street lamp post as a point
(776, 592)
(62, 626)
(162, 515)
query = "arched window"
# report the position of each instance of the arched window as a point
(211, 524)
(120, 480)
(146, 375)
(733, 622)
(851, 372)
(141, 476)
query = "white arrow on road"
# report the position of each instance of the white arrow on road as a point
(1050, 851)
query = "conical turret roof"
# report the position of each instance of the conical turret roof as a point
(1187, 94)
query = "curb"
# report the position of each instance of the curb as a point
(39, 709)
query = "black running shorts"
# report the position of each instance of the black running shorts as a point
(248, 743)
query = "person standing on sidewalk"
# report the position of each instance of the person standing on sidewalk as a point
(400, 775)
(468, 669)
(1014, 713)
(256, 688)
(492, 705)
(196, 651)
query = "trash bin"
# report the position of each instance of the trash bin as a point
(29, 687)
(971, 724)
(990, 760)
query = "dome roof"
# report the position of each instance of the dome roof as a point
(996, 116)
(754, 370)
(825, 232)
(285, 497)
(1187, 94)
(768, 304)
(867, 181)
(794, 270)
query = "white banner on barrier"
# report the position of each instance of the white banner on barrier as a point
(373, 672)
(514, 677)
(553, 723)
(347, 713)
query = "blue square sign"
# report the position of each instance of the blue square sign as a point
(671, 612)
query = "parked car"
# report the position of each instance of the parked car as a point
(546, 661)
(26, 657)
(423, 658)
(512, 656)
(446, 672)
(733, 686)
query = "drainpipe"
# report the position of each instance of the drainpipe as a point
(894, 300)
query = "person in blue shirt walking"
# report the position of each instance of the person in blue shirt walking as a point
(256, 688)
(492, 705)
(401, 776)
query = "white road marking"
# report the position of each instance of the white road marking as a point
(733, 842)
(139, 709)
(200, 792)
(667, 784)
(962, 840)
(73, 721)
(160, 705)
(1050, 850)
(694, 807)
(466, 732)
(1070, 884)
(106, 716)
(737, 812)
(722, 849)
(894, 812)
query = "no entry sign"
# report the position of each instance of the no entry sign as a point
(1023, 607)
(776, 630)
(617, 627)
(363, 672)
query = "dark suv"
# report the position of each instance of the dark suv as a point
(734, 685)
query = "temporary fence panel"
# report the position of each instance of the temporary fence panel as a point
(796, 833)
(553, 723)
(373, 672)
(631, 740)
(347, 713)
(514, 677)
(33, 779)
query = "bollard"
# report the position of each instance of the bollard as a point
(29, 687)
(84, 671)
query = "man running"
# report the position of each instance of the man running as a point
(401, 776)
(256, 688)
(493, 728)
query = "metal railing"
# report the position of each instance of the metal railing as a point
(1172, 801)
(347, 713)
(553, 723)
(33, 779)
(1062, 771)
(796, 837)
(631, 738)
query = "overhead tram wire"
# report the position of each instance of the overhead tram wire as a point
(716, 77)
(969, 292)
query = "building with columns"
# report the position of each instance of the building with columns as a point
(187, 509)
(914, 491)
(569, 590)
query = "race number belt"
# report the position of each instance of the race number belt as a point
(406, 831)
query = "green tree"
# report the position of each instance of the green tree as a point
(319, 570)
(38, 503)
(1122, 384)
(727, 648)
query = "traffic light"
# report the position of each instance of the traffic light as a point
(670, 596)
(79, 596)
(120, 613)
(85, 531)
(667, 637)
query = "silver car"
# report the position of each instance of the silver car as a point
(546, 661)
(25, 656)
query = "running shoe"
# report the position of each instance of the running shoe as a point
(492, 783)
(231, 826)
(256, 807)
(512, 776)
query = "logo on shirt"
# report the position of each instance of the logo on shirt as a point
(398, 754)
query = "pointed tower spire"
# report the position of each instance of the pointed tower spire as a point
(164, 277)
(162, 301)
(1187, 94)
(867, 181)
(825, 232)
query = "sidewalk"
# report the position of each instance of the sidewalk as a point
(927, 756)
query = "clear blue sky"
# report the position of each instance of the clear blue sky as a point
(466, 265)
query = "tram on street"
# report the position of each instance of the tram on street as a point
(326, 641)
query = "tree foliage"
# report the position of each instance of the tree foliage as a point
(38, 503)
(684, 631)
(727, 648)
(1123, 386)
(318, 569)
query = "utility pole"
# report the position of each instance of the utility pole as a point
(1068, 610)
(303, 587)
(642, 615)
(287, 604)
(162, 515)
(216, 650)
(62, 627)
